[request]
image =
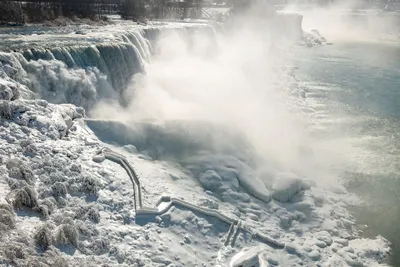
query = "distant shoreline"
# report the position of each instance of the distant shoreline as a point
(61, 21)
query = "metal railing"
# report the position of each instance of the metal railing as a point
(235, 228)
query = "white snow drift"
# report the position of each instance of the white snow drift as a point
(63, 204)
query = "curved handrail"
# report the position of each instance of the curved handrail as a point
(117, 158)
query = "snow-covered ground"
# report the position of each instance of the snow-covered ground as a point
(62, 206)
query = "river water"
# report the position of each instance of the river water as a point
(354, 87)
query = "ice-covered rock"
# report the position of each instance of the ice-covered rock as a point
(246, 258)
(5, 92)
(314, 255)
(99, 158)
(325, 237)
(210, 180)
(287, 186)
(256, 188)
(313, 38)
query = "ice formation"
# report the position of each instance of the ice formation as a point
(62, 203)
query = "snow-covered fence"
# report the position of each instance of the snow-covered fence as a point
(115, 157)
(166, 202)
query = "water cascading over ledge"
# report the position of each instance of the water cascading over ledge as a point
(83, 74)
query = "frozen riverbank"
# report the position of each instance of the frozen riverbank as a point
(64, 208)
(96, 201)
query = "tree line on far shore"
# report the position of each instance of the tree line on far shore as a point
(33, 11)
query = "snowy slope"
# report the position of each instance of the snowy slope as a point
(49, 149)
(63, 203)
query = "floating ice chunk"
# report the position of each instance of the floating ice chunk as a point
(288, 185)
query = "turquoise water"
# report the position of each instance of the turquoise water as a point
(356, 85)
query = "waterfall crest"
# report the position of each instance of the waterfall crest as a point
(82, 74)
